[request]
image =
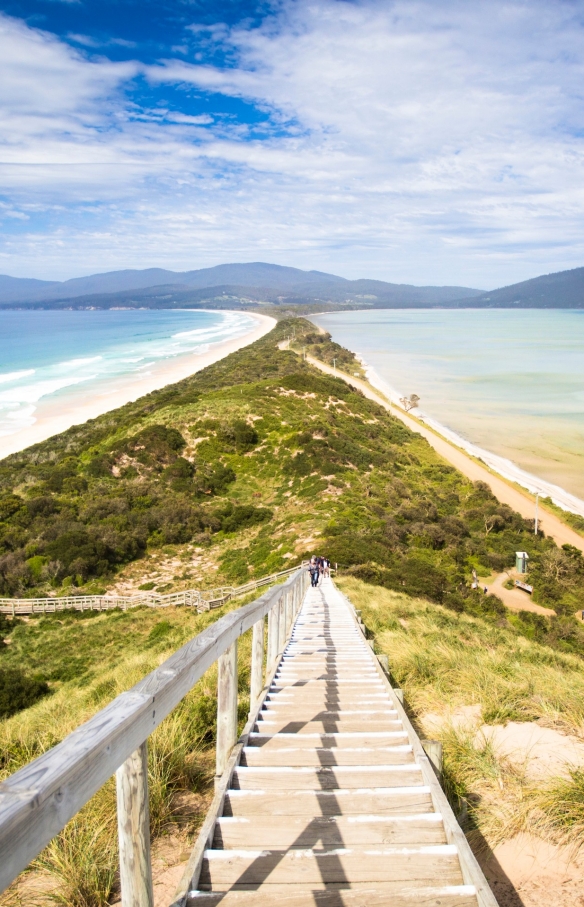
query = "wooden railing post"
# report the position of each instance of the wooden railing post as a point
(226, 707)
(281, 606)
(288, 611)
(273, 633)
(134, 830)
(257, 664)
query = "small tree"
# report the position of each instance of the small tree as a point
(410, 402)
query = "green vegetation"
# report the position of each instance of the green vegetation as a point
(236, 472)
(88, 659)
(19, 691)
(323, 347)
(461, 672)
(572, 519)
(224, 463)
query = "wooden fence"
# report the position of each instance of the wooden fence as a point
(38, 800)
(202, 600)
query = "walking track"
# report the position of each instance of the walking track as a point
(328, 805)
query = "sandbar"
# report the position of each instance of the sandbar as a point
(55, 414)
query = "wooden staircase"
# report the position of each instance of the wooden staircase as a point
(332, 802)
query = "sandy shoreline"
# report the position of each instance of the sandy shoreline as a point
(509, 494)
(51, 419)
(501, 465)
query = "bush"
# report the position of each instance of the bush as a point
(244, 515)
(214, 480)
(239, 434)
(18, 692)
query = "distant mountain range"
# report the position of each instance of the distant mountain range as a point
(257, 283)
(250, 283)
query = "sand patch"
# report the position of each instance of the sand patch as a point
(542, 752)
(464, 716)
(528, 872)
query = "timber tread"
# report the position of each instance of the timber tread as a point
(328, 804)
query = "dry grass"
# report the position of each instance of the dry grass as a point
(80, 864)
(446, 662)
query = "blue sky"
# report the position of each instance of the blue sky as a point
(419, 142)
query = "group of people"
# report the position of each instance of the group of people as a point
(318, 567)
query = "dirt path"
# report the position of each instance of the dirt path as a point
(520, 501)
(516, 599)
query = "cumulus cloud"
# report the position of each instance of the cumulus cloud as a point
(405, 140)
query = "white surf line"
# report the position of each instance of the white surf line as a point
(501, 465)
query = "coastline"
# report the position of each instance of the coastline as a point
(502, 488)
(500, 465)
(506, 390)
(51, 419)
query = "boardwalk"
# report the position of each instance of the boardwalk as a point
(331, 804)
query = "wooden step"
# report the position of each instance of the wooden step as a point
(395, 801)
(348, 700)
(371, 740)
(334, 683)
(341, 776)
(394, 866)
(326, 831)
(393, 755)
(277, 723)
(335, 896)
(276, 712)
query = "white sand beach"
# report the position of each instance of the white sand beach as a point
(52, 417)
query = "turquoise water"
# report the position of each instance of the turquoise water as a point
(509, 382)
(48, 356)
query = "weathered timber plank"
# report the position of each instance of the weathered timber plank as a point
(309, 756)
(397, 801)
(300, 727)
(317, 896)
(341, 776)
(370, 740)
(274, 709)
(422, 866)
(327, 831)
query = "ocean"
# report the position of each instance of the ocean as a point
(506, 385)
(50, 360)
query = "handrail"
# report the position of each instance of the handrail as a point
(471, 872)
(201, 599)
(37, 801)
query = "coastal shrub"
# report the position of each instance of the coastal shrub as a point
(214, 480)
(7, 625)
(238, 435)
(243, 515)
(19, 691)
(9, 505)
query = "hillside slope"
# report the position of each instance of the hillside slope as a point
(562, 290)
(241, 470)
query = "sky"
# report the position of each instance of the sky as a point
(408, 141)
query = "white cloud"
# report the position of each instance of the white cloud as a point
(407, 140)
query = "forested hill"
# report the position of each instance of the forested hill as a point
(245, 468)
(224, 285)
(562, 290)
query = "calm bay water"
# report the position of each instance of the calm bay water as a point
(509, 382)
(50, 355)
